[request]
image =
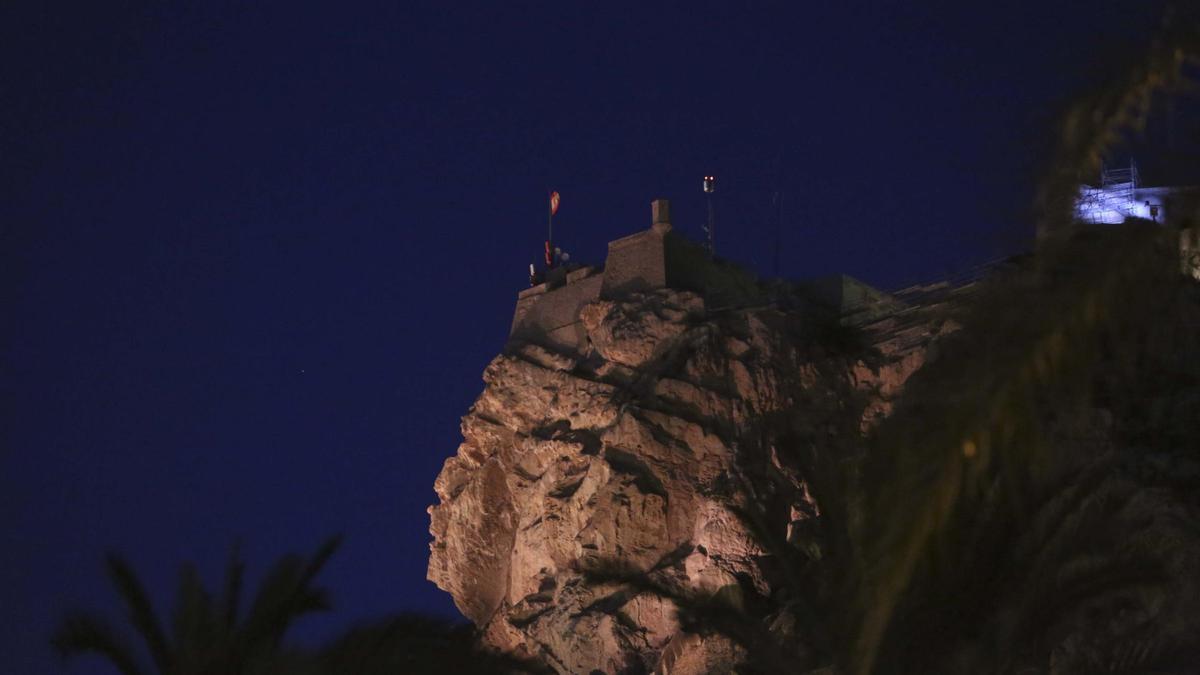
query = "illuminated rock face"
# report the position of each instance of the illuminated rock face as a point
(634, 449)
(580, 474)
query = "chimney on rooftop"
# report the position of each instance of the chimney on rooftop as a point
(660, 215)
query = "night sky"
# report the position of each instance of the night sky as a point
(255, 259)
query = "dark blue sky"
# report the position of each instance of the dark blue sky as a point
(255, 259)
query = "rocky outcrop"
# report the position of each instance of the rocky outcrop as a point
(681, 492)
(579, 473)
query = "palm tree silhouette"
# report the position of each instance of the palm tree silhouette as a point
(207, 635)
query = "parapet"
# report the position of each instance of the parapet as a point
(550, 315)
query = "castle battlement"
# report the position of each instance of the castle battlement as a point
(644, 261)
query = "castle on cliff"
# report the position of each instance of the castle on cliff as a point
(657, 258)
(651, 259)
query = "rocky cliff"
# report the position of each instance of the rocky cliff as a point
(633, 460)
(695, 457)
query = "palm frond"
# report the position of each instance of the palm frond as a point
(285, 594)
(235, 571)
(319, 558)
(84, 633)
(271, 605)
(193, 621)
(141, 611)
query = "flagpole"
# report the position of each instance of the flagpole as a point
(550, 218)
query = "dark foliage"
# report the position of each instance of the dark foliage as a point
(206, 636)
(1030, 504)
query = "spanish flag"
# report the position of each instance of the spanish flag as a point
(553, 203)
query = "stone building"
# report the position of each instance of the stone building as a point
(652, 259)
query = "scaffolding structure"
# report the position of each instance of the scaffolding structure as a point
(1113, 201)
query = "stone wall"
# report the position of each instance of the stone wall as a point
(548, 314)
(551, 317)
(636, 263)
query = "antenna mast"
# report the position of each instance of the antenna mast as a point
(710, 186)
